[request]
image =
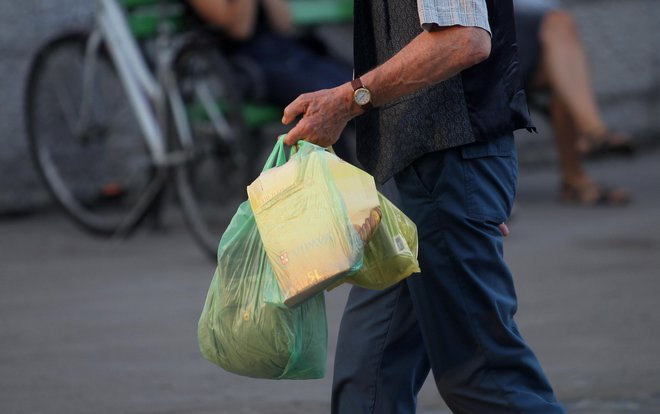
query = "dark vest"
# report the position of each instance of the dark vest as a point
(483, 102)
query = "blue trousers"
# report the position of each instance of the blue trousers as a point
(456, 317)
(290, 68)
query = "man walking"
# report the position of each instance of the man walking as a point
(436, 98)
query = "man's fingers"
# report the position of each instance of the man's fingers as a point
(504, 229)
(295, 135)
(292, 110)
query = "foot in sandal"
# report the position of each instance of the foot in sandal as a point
(591, 193)
(603, 144)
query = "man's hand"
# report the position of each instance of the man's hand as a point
(325, 114)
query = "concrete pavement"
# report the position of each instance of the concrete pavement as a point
(101, 326)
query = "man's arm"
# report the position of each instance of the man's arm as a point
(430, 58)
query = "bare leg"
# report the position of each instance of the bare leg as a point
(564, 64)
(571, 171)
(564, 69)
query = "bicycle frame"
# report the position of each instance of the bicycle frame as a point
(147, 95)
(140, 59)
(145, 92)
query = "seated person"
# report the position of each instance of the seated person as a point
(261, 31)
(552, 59)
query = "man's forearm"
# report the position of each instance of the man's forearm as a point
(428, 59)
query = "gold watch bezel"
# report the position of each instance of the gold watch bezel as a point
(358, 92)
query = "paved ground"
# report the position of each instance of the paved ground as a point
(98, 326)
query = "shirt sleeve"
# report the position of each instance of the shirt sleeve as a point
(468, 13)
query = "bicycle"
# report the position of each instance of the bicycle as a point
(176, 118)
(109, 129)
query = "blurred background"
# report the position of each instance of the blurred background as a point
(108, 325)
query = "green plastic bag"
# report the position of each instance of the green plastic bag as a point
(243, 333)
(391, 255)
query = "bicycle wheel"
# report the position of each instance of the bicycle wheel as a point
(96, 168)
(212, 183)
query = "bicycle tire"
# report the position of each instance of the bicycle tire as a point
(97, 175)
(213, 182)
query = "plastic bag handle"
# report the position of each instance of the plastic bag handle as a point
(277, 157)
(301, 143)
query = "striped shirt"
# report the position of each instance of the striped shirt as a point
(468, 13)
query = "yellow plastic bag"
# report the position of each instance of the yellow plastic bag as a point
(391, 254)
(304, 224)
(358, 190)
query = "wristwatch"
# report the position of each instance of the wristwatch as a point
(361, 95)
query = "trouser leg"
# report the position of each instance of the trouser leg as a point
(380, 363)
(465, 299)
(458, 314)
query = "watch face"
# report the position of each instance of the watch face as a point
(362, 96)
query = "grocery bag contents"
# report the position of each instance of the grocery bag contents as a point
(358, 190)
(305, 220)
(391, 254)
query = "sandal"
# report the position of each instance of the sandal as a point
(604, 144)
(592, 194)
